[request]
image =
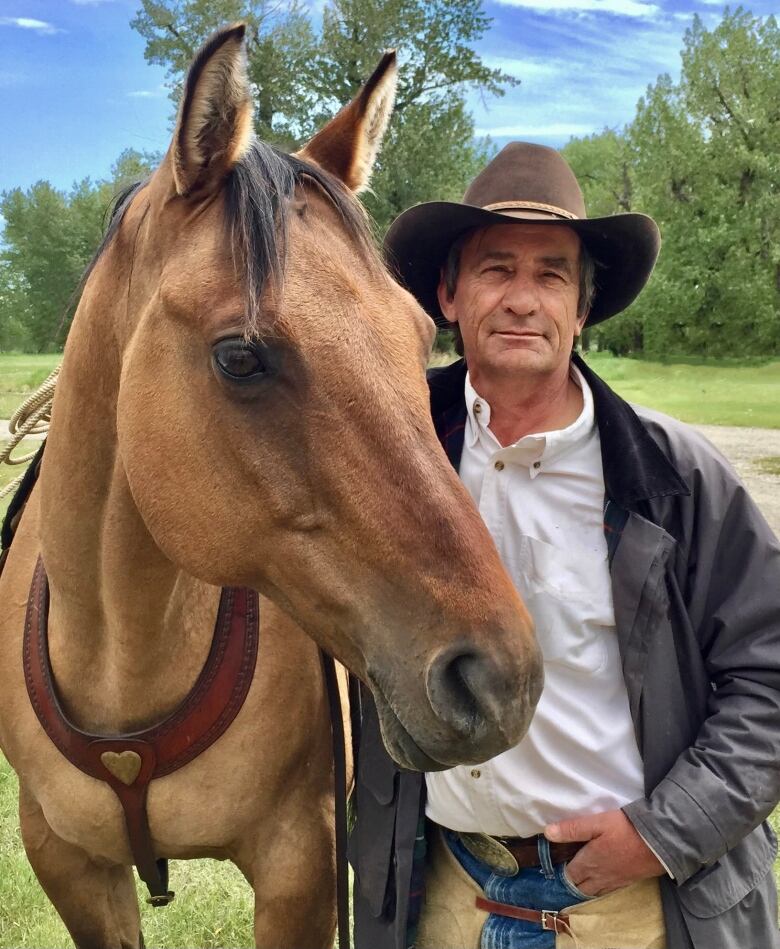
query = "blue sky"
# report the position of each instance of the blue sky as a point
(75, 88)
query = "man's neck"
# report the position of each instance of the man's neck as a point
(528, 406)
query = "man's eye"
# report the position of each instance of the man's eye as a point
(553, 275)
(239, 360)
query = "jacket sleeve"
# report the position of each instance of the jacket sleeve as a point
(728, 781)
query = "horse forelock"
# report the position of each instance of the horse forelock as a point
(257, 195)
(258, 191)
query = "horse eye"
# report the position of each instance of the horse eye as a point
(239, 360)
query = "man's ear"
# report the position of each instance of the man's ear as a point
(446, 302)
(579, 326)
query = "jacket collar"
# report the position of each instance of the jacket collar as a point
(635, 467)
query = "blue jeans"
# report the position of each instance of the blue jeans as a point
(545, 887)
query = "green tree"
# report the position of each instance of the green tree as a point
(281, 49)
(702, 156)
(603, 164)
(301, 79)
(48, 239)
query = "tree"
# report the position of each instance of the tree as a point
(702, 156)
(300, 79)
(49, 238)
(281, 48)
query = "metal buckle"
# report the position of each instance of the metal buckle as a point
(547, 916)
(162, 899)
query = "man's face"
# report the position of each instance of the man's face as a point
(516, 299)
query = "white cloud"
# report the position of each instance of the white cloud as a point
(147, 93)
(551, 130)
(641, 9)
(522, 68)
(27, 23)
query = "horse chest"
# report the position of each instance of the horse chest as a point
(127, 763)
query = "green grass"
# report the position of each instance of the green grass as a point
(213, 905)
(704, 394)
(770, 464)
(20, 375)
(733, 393)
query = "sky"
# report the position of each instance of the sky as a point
(75, 89)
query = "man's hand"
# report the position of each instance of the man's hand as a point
(615, 855)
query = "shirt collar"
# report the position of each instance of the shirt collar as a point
(536, 450)
(636, 469)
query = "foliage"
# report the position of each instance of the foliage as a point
(702, 156)
(49, 238)
(301, 79)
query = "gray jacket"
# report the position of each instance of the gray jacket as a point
(696, 587)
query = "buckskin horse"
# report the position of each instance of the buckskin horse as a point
(241, 451)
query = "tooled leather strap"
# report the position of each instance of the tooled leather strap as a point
(128, 762)
(549, 920)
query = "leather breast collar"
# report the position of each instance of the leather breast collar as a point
(128, 762)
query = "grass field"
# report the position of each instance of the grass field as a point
(213, 907)
(707, 394)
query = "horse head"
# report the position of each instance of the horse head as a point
(272, 415)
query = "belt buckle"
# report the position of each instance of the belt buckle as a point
(492, 852)
(550, 916)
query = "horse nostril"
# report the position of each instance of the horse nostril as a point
(463, 689)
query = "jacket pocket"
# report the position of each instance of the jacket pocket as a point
(716, 889)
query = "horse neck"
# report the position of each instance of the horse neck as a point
(128, 630)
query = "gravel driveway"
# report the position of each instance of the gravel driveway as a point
(742, 447)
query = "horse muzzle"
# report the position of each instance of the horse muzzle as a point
(473, 710)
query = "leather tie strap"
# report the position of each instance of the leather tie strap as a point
(550, 920)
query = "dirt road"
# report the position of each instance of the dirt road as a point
(743, 447)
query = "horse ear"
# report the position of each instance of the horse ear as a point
(347, 146)
(214, 124)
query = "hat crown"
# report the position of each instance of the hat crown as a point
(523, 172)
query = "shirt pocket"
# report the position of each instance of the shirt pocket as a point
(569, 594)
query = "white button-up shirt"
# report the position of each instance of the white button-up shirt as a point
(542, 500)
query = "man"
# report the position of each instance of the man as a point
(633, 813)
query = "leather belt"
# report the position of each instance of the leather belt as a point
(526, 850)
(507, 855)
(550, 920)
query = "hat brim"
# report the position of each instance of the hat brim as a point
(624, 246)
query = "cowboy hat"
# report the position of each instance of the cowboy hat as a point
(525, 182)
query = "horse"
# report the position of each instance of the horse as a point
(242, 405)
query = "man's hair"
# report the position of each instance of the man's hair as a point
(451, 270)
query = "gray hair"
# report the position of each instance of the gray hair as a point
(451, 270)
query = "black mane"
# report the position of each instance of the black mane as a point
(257, 190)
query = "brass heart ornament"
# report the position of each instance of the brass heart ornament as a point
(124, 765)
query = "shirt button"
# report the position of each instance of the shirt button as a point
(477, 408)
(476, 773)
(499, 466)
(537, 464)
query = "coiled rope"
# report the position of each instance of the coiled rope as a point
(31, 418)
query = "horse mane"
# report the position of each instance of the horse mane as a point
(257, 192)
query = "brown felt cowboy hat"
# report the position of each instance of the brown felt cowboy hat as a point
(525, 182)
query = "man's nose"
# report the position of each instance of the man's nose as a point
(522, 295)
